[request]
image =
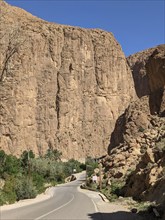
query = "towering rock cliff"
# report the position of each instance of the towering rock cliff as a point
(61, 87)
(148, 68)
(137, 147)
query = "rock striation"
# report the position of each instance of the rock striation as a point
(61, 87)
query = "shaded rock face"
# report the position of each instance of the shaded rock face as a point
(146, 182)
(137, 64)
(61, 87)
(138, 160)
(150, 86)
(141, 133)
(137, 147)
(155, 68)
(148, 69)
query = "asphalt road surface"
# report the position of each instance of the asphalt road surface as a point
(67, 203)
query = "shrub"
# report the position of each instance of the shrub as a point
(8, 194)
(141, 129)
(91, 165)
(38, 182)
(40, 166)
(24, 189)
(116, 187)
(57, 172)
(11, 165)
(7, 197)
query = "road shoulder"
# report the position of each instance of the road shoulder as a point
(108, 209)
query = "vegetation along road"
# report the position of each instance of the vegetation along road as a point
(66, 203)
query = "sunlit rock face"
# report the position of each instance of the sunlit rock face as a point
(61, 86)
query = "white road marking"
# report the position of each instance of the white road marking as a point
(96, 209)
(90, 195)
(54, 210)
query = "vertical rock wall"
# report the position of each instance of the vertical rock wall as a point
(60, 86)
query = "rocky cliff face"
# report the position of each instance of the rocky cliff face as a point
(137, 64)
(137, 148)
(61, 87)
(151, 87)
(148, 69)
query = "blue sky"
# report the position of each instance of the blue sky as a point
(136, 24)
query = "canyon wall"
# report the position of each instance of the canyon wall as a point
(61, 87)
(137, 148)
(148, 69)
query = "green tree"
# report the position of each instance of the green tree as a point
(91, 165)
(53, 154)
(11, 165)
(2, 161)
(72, 165)
(25, 157)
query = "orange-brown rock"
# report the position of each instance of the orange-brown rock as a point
(61, 86)
(137, 64)
(148, 69)
(147, 181)
(139, 134)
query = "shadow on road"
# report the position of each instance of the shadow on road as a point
(114, 216)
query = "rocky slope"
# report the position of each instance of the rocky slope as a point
(137, 148)
(61, 87)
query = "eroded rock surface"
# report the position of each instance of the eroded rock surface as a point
(61, 87)
(137, 147)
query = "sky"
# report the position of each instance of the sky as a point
(136, 24)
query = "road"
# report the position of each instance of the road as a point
(67, 203)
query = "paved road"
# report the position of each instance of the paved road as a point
(66, 203)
